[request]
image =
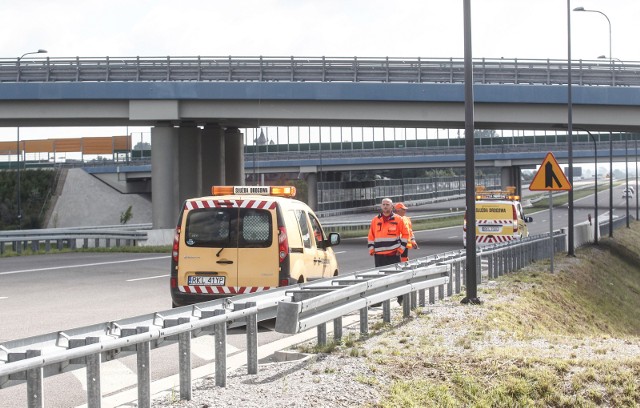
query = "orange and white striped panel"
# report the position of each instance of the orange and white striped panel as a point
(256, 204)
(493, 239)
(504, 222)
(222, 290)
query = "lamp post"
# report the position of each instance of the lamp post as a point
(40, 51)
(609, 22)
(595, 152)
(570, 236)
(610, 134)
(626, 171)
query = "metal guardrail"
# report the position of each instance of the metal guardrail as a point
(317, 69)
(295, 308)
(68, 237)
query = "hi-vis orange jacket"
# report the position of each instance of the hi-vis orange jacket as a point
(409, 227)
(388, 237)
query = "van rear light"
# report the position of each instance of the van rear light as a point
(464, 223)
(283, 244)
(515, 219)
(173, 282)
(283, 282)
(176, 245)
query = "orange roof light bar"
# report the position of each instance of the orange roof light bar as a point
(280, 191)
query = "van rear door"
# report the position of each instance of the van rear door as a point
(210, 265)
(258, 265)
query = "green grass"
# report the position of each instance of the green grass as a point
(556, 333)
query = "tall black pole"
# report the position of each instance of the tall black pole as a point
(626, 171)
(637, 210)
(18, 179)
(471, 279)
(571, 249)
(596, 226)
(610, 184)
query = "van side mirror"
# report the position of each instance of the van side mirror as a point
(334, 239)
(528, 219)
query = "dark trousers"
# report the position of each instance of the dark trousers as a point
(384, 260)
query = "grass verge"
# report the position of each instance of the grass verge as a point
(568, 339)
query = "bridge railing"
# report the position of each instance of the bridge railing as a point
(316, 69)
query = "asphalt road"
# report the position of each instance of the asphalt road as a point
(48, 293)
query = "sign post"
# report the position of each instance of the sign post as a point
(550, 177)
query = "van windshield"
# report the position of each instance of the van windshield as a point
(229, 227)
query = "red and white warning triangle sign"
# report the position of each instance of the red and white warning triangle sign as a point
(550, 176)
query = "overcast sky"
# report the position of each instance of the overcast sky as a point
(336, 28)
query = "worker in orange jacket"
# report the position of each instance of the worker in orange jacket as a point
(388, 235)
(401, 210)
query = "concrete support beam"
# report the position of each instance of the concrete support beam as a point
(212, 158)
(312, 189)
(189, 160)
(234, 157)
(164, 180)
(510, 176)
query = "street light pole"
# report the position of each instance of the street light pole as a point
(610, 133)
(626, 171)
(596, 225)
(570, 236)
(19, 201)
(613, 79)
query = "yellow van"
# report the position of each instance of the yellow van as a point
(499, 217)
(245, 239)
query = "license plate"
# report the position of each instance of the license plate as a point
(206, 280)
(490, 229)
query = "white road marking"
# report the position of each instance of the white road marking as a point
(82, 266)
(204, 347)
(340, 252)
(453, 237)
(114, 376)
(3, 297)
(150, 277)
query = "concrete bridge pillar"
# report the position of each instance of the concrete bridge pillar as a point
(212, 158)
(510, 176)
(234, 157)
(189, 160)
(312, 189)
(164, 177)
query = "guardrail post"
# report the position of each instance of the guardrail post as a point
(47, 245)
(490, 264)
(406, 305)
(85, 243)
(144, 373)
(107, 243)
(441, 292)
(479, 268)
(252, 340)
(322, 334)
(450, 283)
(422, 298)
(184, 361)
(94, 394)
(59, 244)
(34, 383)
(1, 248)
(414, 299)
(337, 329)
(458, 276)
(386, 311)
(96, 243)
(364, 321)
(432, 295)
(220, 333)
(18, 247)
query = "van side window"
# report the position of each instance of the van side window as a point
(255, 230)
(301, 216)
(317, 231)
